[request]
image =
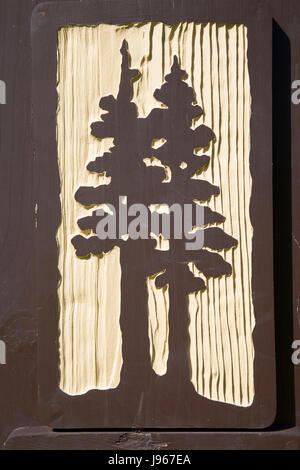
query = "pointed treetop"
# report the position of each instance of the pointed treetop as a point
(125, 56)
(124, 48)
(127, 74)
(176, 93)
(126, 60)
(176, 72)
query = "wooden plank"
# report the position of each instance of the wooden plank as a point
(18, 324)
(44, 438)
(18, 320)
(149, 401)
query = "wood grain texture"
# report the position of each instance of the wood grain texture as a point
(18, 392)
(40, 438)
(221, 318)
(89, 292)
(158, 309)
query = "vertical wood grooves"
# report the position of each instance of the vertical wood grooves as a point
(89, 292)
(221, 319)
(158, 325)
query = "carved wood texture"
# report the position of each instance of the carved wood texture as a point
(221, 318)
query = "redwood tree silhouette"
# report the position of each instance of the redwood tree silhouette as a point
(133, 139)
(127, 170)
(174, 123)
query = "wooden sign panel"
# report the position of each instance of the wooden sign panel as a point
(154, 261)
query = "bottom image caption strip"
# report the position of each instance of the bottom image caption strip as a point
(148, 459)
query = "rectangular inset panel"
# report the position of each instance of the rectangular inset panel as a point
(221, 316)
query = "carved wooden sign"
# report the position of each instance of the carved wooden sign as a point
(154, 215)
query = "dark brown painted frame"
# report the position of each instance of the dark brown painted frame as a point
(107, 409)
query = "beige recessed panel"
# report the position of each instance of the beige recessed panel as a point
(221, 319)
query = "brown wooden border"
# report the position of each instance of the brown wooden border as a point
(91, 410)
